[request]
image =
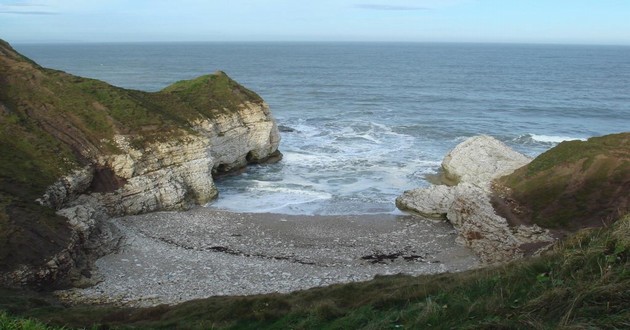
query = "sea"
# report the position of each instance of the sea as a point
(363, 122)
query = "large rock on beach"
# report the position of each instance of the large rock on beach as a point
(481, 159)
(430, 202)
(476, 161)
(473, 165)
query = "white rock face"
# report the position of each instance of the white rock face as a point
(480, 228)
(481, 159)
(166, 175)
(476, 161)
(431, 202)
(178, 173)
(474, 164)
(242, 137)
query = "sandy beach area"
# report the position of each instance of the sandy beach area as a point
(171, 257)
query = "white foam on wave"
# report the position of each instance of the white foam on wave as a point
(304, 158)
(553, 138)
(459, 139)
(267, 199)
(369, 137)
(428, 163)
(353, 133)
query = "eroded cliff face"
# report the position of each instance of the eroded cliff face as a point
(118, 151)
(170, 175)
(178, 173)
(472, 166)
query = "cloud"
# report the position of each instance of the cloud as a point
(371, 6)
(26, 8)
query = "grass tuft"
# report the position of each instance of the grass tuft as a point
(8, 322)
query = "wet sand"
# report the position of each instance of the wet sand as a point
(171, 257)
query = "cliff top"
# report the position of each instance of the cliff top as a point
(573, 185)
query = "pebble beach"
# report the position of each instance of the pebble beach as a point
(171, 257)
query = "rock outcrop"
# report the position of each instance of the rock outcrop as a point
(136, 152)
(473, 165)
(481, 159)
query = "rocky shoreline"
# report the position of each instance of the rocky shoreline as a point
(171, 257)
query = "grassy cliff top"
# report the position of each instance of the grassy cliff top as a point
(52, 122)
(211, 94)
(575, 184)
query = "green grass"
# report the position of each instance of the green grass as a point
(16, 323)
(211, 94)
(576, 183)
(569, 152)
(583, 283)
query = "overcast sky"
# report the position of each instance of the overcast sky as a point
(520, 21)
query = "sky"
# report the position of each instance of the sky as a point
(503, 21)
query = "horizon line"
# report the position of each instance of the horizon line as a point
(533, 43)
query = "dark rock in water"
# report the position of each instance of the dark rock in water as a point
(286, 129)
(275, 157)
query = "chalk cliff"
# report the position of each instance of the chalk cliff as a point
(90, 151)
(175, 173)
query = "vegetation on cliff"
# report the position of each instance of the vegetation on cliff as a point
(52, 122)
(574, 185)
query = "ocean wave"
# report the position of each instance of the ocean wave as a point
(267, 199)
(554, 139)
(304, 159)
(459, 139)
(545, 139)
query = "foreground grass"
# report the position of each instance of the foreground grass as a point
(16, 323)
(583, 283)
